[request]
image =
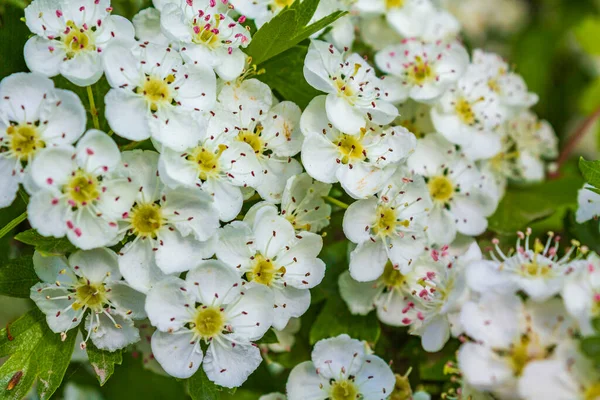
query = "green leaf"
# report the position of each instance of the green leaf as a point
(268, 338)
(201, 388)
(596, 324)
(284, 74)
(591, 347)
(48, 246)
(526, 204)
(17, 276)
(103, 362)
(590, 98)
(36, 354)
(289, 27)
(335, 319)
(587, 34)
(590, 171)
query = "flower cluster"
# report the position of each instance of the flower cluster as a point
(213, 231)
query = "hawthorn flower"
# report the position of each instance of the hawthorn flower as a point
(340, 369)
(362, 163)
(538, 271)
(265, 249)
(341, 34)
(88, 280)
(588, 204)
(581, 292)
(569, 375)
(469, 115)
(70, 37)
(508, 335)
(154, 94)
(213, 309)
(459, 204)
(33, 115)
(248, 115)
(354, 93)
(206, 34)
(76, 195)
(147, 27)
(420, 70)
(391, 226)
(172, 230)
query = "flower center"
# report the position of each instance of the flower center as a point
(494, 85)
(252, 138)
(343, 88)
(157, 91)
(77, 40)
(440, 188)
(24, 140)
(206, 161)
(90, 295)
(420, 71)
(394, 3)
(534, 269)
(592, 392)
(523, 352)
(343, 390)
(351, 148)
(263, 271)
(82, 189)
(465, 111)
(387, 221)
(208, 322)
(391, 277)
(146, 219)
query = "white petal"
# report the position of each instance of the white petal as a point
(40, 58)
(66, 118)
(230, 366)
(121, 65)
(48, 268)
(165, 304)
(129, 301)
(290, 302)
(127, 114)
(282, 129)
(46, 215)
(367, 261)
(52, 167)
(198, 89)
(343, 116)
(304, 383)
(435, 334)
(59, 314)
(106, 336)
(178, 353)
(376, 377)
(319, 158)
(84, 69)
(363, 180)
(230, 65)
(213, 281)
(441, 226)
(359, 296)
(196, 211)
(9, 181)
(332, 355)
(272, 233)
(91, 231)
(359, 218)
(548, 379)
(228, 198)
(176, 127)
(482, 368)
(95, 265)
(253, 315)
(97, 152)
(232, 246)
(276, 172)
(138, 267)
(179, 253)
(22, 96)
(141, 167)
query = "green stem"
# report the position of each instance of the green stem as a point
(24, 196)
(130, 146)
(13, 224)
(93, 109)
(336, 202)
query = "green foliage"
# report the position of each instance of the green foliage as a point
(48, 246)
(13, 35)
(335, 319)
(587, 33)
(102, 361)
(523, 205)
(289, 28)
(36, 354)
(590, 346)
(17, 276)
(590, 98)
(200, 388)
(591, 172)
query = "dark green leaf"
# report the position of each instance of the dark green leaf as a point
(35, 352)
(305, 9)
(596, 324)
(103, 362)
(526, 204)
(201, 388)
(591, 347)
(13, 35)
(284, 74)
(590, 171)
(17, 277)
(268, 338)
(46, 245)
(335, 319)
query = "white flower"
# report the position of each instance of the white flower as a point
(588, 202)
(420, 70)
(147, 27)
(77, 197)
(510, 87)
(155, 95)
(581, 293)
(71, 36)
(361, 163)
(211, 307)
(273, 396)
(569, 375)
(537, 271)
(341, 32)
(375, 32)
(172, 229)
(88, 280)
(340, 369)
(454, 185)
(206, 34)
(390, 226)
(33, 115)
(508, 335)
(266, 249)
(469, 115)
(355, 96)
(248, 115)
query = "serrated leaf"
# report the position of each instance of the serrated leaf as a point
(17, 276)
(590, 171)
(102, 361)
(268, 338)
(201, 388)
(35, 354)
(335, 319)
(49, 246)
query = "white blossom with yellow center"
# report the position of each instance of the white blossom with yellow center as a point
(210, 319)
(89, 281)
